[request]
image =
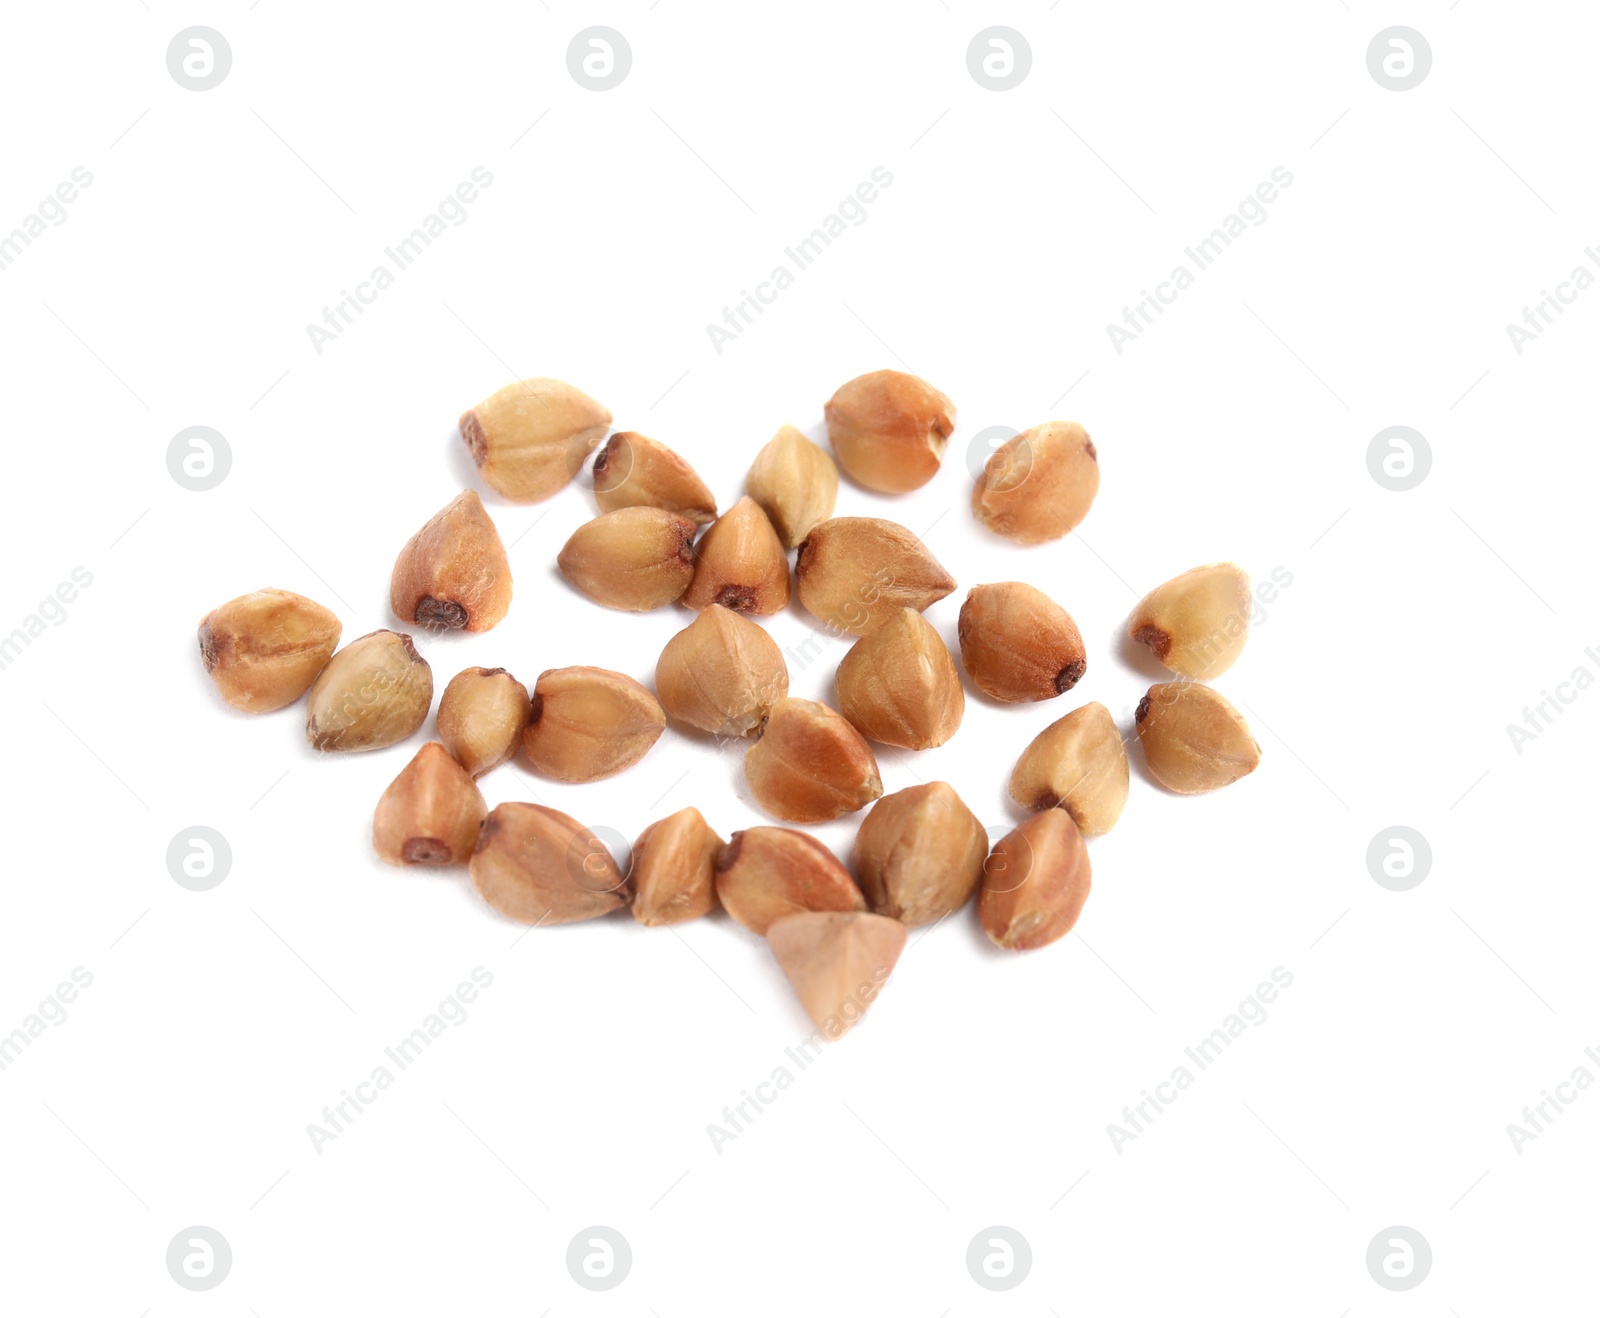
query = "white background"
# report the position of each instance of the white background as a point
(978, 1092)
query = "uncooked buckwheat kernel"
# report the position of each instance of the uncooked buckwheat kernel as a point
(740, 563)
(264, 649)
(1035, 882)
(1079, 764)
(673, 870)
(430, 814)
(919, 854)
(532, 437)
(589, 723)
(889, 430)
(374, 692)
(764, 874)
(481, 716)
(1197, 623)
(837, 961)
(541, 867)
(1193, 739)
(722, 673)
(633, 470)
(854, 572)
(899, 685)
(796, 484)
(1018, 644)
(1038, 485)
(453, 574)
(810, 764)
(636, 558)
